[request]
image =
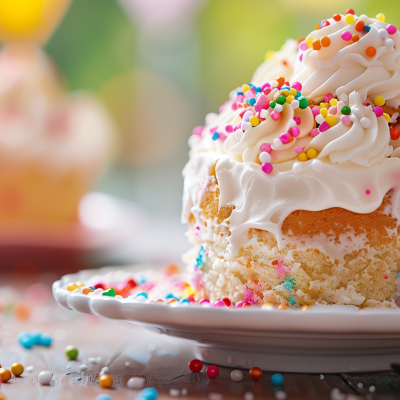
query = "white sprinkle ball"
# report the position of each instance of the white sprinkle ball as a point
(174, 392)
(356, 111)
(264, 113)
(372, 389)
(297, 168)
(45, 377)
(238, 134)
(382, 33)
(92, 360)
(316, 165)
(29, 369)
(281, 395)
(127, 364)
(295, 104)
(279, 108)
(215, 396)
(98, 360)
(360, 385)
(277, 143)
(83, 367)
(275, 84)
(365, 122)
(184, 392)
(248, 396)
(319, 119)
(236, 375)
(321, 376)
(265, 157)
(353, 118)
(389, 43)
(292, 123)
(136, 383)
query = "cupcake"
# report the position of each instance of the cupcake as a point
(291, 193)
(53, 145)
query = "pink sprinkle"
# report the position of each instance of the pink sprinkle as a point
(285, 137)
(275, 115)
(347, 36)
(314, 132)
(297, 86)
(198, 130)
(240, 105)
(368, 191)
(391, 29)
(332, 110)
(324, 127)
(222, 137)
(240, 98)
(197, 227)
(267, 168)
(297, 120)
(266, 147)
(258, 107)
(267, 91)
(345, 119)
(298, 149)
(303, 46)
(295, 131)
(378, 111)
(229, 128)
(266, 85)
(328, 97)
(218, 303)
(262, 99)
(203, 301)
(234, 106)
(213, 129)
(301, 57)
(240, 304)
(386, 277)
(236, 127)
(366, 104)
(249, 94)
(315, 110)
(281, 270)
(249, 296)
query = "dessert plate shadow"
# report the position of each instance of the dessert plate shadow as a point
(324, 339)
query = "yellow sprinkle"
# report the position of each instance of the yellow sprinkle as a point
(285, 92)
(309, 42)
(293, 92)
(327, 105)
(379, 101)
(245, 88)
(333, 102)
(322, 105)
(387, 117)
(269, 54)
(324, 112)
(189, 291)
(331, 120)
(254, 121)
(80, 284)
(289, 99)
(305, 308)
(349, 19)
(312, 153)
(302, 157)
(381, 17)
(72, 286)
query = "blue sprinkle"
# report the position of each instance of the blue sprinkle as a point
(201, 259)
(147, 394)
(251, 85)
(298, 94)
(45, 340)
(186, 301)
(247, 101)
(398, 274)
(35, 336)
(171, 296)
(144, 294)
(91, 287)
(277, 379)
(289, 283)
(258, 89)
(239, 94)
(285, 87)
(252, 102)
(26, 341)
(367, 28)
(215, 136)
(292, 300)
(104, 396)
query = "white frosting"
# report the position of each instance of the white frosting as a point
(41, 126)
(352, 170)
(342, 67)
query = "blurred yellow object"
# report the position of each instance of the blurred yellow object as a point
(31, 21)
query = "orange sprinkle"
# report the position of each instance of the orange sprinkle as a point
(87, 291)
(356, 38)
(317, 27)
(281, 81)
(316, 44)
(282, 307)
(325, 41)
(371, 51)
(359, 26)
(337, 17)
(171, 301)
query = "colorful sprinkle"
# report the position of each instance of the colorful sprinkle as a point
(255, 373)
(347, 36)
(360, 26)
(346, 110)
(277, 379)
(381, 17)
(316, 44)
(378, 111)
(349, 18)
(371, 51)
(337, 17)
(311, 153)
(350, 11)
(367, 191)
(267, 168)
(386, 116)
(391, 29)
(394, 133)
(266, 147)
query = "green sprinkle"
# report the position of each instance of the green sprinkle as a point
(385, 381)
(272, 104)
(109, 292)
(292, 300)
(303, 103)
(346, 110)
(281, 100)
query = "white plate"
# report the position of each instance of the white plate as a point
(328, 339)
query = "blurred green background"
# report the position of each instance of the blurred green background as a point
(160, 80)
